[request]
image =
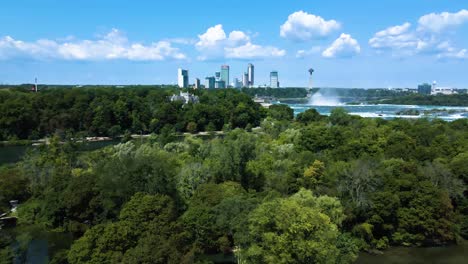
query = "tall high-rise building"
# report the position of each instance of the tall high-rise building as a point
(217, 75)
(220, 84)
(197, 83)
(274, 83)
(225, 74)
(182, 78)
(424, 88)
(237, 83)
(245, 80)
(251, 73)
(210, 82)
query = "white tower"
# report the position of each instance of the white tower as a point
(311, 71)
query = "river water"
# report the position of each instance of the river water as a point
(386, 111)
(403, 255)
(13, 154)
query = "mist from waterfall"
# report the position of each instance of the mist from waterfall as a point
(324, 99)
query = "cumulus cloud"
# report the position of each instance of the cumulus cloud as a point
(250, 51)
(344, 46)
(305, 53)
(452, 53)
(437, 22)
(302, 26)
(396, 37)
(113, 45)
(215, 43)
(401, 40)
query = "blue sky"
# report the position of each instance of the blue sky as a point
(349, 43)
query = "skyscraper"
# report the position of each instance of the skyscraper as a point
(217, 75)
(250, 72)
(197, 83)
(225, 74)
(424, 88)
(237, 83)
(210, 82)
(220, 84)
(274, 83)
(182, 78)
(245, 80)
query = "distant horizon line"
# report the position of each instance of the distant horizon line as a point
(175, 85)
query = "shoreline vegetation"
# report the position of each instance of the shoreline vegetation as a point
(271, 187)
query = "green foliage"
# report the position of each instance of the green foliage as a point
(280, 112)
(420, 99)
(248, 192)
(6, 251)
(310, 115)
(276, 92)
(110, 111)
(145, 226)
(13, 186)
(294, 230)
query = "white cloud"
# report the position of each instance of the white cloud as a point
(302, 26)
(344, 46)
(396, 37)
(182, 41)
(212, 37)
(250, 51)
(438, 22)
(452, 53)
(402, 41)
(305, 53)
(215, 43)
(114, 45)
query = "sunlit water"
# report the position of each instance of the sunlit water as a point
(386, 111)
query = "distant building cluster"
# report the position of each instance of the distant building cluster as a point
(434, 89)
(221, 79)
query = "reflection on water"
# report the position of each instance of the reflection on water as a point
(36, 245)
(12, 154)
(401, 255)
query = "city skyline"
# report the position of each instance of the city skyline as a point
(381, 45)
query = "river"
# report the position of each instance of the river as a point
(385, 111)
(13, 154)
(404, 255)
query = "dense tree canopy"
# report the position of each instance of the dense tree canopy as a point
(113, 111)
(310, 189)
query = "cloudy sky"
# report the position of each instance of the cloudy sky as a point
(359, 43)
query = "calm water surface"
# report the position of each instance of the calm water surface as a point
(12, 154)
(401, 255)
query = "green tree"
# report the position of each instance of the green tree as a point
(294, 230)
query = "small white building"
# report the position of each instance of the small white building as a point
(442, 90)
(185, 98)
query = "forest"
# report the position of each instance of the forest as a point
(274, 188)
(419, 99)
(277, 92)
(111, 111)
